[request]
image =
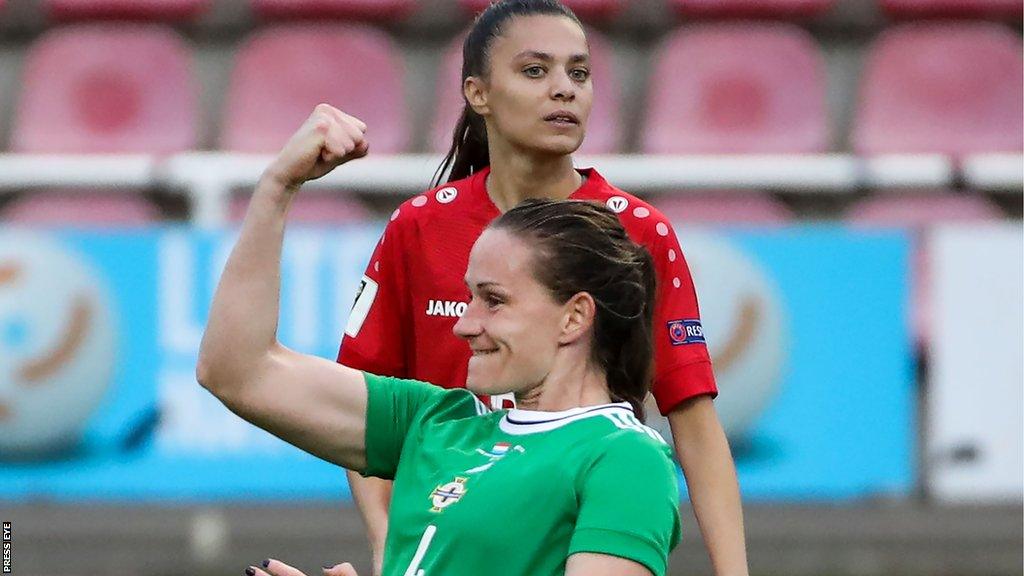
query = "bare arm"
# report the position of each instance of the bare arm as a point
(310, 402)
(711, 480)
(373, 498)
(591, 564)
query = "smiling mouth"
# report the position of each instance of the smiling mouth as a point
(484, 352)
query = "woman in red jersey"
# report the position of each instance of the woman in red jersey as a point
(528, 92)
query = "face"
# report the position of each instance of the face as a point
(513, 324)
(538, 91)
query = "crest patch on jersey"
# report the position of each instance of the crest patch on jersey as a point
(685, 332)
(447, 494)
(361, 309)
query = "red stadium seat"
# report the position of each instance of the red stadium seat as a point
(1013, 9)
(942, 88)
(378, 10)
(312, 209)
(737, 89)
(916, 213)
(751, 8)
(81, 208)
(723, 207)
(166, 10)
(603, 133)
(106, 89)
(282, 73)
(585, 9)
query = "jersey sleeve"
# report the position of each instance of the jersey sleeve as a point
(393, 407)
(374, 338)
(629, 505)
(682, 365)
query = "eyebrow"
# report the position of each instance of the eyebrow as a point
(548, 57)
(479, 285)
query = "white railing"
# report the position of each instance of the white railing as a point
(207, 178)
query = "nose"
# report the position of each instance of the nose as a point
(468, 325)
(562, 88)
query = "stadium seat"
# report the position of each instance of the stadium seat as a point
(313, 209)
(751, 8)
(282, 73)
(106, 89)
(723, 207)
(92, 208)
(737, 89)
(166, 10)
(942, 88)
(917, 213)
(376, 10)
(586, 9)
(603, 133)
(1013, 9)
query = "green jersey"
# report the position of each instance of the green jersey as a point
(515, 492)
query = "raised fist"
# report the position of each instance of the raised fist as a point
(327, 139)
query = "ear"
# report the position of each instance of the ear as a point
(475, 91)
(578, 319)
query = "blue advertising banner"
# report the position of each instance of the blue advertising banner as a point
(99, 332)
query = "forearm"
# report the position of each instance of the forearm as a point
(242, 325)
(373, 498)
(707, 463)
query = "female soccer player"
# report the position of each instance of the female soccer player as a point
(528, 91)
(562, 303)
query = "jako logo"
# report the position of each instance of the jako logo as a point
(446, 308)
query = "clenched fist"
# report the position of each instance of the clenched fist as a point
(327, 139)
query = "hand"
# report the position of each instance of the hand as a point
(278, 568)
(327, 139)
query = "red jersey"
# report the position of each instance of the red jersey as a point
(414, 291)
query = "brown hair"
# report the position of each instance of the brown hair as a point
(468, 152)
(582, 247)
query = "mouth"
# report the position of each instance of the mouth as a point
(562, 118)
(477, 353)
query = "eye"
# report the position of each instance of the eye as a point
(579, 74)
(493, 301)
(534, 71)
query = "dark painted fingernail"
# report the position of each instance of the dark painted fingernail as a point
(328, 566)
(250, 572)
(266, 563)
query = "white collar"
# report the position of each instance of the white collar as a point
(517, 421)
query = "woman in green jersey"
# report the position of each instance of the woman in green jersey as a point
(571, 482)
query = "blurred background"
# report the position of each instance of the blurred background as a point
(845, 176)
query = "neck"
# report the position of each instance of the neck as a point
(517, 175)
(577, 385)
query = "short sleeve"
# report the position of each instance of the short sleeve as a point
(374, 338)
(629, 504)
(393, 406)
(682, 365)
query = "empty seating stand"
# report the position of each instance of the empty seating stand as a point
(282, 73)
(593, 10)
(751, 8)
(371, 10)
(950, 88)
(604, 134)
(737, 89)
(1009, 9)
(313, 209)
(105, 88)
(167, 10)
(724, 208)
(81, 208)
